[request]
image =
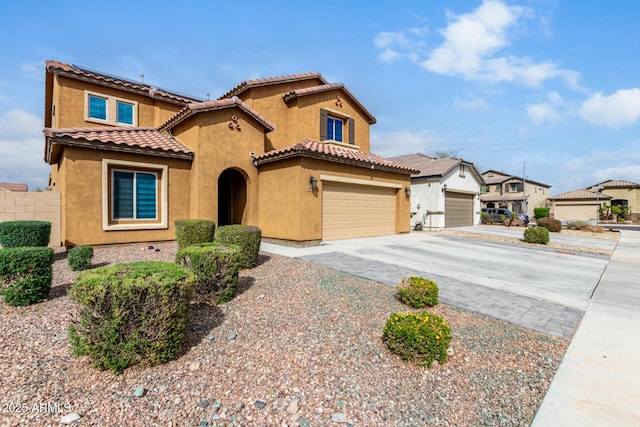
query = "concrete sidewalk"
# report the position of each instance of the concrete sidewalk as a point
(598, 381)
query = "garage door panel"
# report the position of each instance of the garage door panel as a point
(458, 209)
(357, 211)
(575, 212)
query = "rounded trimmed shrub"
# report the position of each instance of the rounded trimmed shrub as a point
(551, 224)
(247, 237)
(79, 257)
(14, 234)
(215, 267)
(132, 313)
(418, 292)
(192, 231)
(418, 337)
(25, 274)
(536, 235)
(540, 212)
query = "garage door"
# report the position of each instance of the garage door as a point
(350, 211)
(575, 212)
(458, 209)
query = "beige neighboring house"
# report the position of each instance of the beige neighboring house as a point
(445, 193)
(584, 204)
(8, 186)
(512, 192)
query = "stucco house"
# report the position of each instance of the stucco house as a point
(288, 154)
(444, 193)
(584, 204)
(520, 195)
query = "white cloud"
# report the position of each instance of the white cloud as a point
(551, 111)
(471, 104)
(21, 149)
(395, 45)
(398, 143)
(472, 42)
(620, 109)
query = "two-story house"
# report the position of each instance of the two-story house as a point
(513, 192)
(288, 154)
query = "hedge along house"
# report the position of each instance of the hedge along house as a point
(288, 154)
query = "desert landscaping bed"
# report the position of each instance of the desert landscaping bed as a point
(299, 345)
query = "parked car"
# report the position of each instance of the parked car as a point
(498, 215)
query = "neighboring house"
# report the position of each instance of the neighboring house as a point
(444, 193)
(288, 154)
(8, 186)
(512, 192)
(584, 204)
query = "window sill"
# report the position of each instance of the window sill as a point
(341, 144)
(124, 227)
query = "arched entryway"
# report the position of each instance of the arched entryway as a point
(232, 197)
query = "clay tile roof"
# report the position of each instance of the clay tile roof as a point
(126, 139)
(103, 79)
(616, 183)
(327, 87)
(581, 194)
(331, 152)
(9, 186)
(220, 104)
(247, 84)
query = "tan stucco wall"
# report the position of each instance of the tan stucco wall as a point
(30, 206)
(82, 202)
(70, 94)
(632, 195)
(218, 148)
(290, 210)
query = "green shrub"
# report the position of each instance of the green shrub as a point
(553, 225)
(25, 274)
(14, 234)
(540, 213)
(536, 235)
(192, 231)
(79, 257)
(247, 237)
(133, 313)
(418, 337)
(215, 267)
(418, 292)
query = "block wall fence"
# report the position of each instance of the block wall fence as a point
(39, 206)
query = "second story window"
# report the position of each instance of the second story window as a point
(334, 129)
(124, 112)
(515, 187)
(498, 189)
(97, 107)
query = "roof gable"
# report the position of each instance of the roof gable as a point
(435, 167)
(221, 104)
(616, 183)
(581, 194)
(269, 81)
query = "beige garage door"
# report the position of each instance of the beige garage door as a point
(575, 212)
(350, 211)
(458, 209)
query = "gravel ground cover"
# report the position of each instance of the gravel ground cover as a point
(300, 345)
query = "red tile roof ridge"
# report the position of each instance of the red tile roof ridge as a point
(13, 186)
(54, 66)
(218, 104)
(241, 87)
(581, 193)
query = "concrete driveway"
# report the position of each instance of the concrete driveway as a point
(535, 287)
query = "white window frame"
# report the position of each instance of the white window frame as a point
(162, 208)
(334, 118)
(112, 109)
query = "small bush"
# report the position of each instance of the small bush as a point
(536, 235)
(418, 337)
(418, 292)
(215, 267)
(247, 237)
(25, 274)
(132, 313)
(553, 225)
(192, 231)
(79, 257)
(540, 213)
(578, 225)
(14, 234)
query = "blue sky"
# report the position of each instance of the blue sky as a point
(553, 84)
